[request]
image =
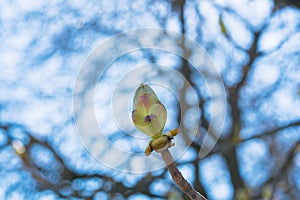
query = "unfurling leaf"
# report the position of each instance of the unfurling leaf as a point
(149, 115)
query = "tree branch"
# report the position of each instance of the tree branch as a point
(182, 183)
(273, 131)
(282, 170)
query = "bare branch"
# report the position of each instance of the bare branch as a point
(279, 173)
(183, 184)
(273, 131)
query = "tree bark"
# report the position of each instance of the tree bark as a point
(183, 184)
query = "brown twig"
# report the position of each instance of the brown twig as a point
(183, 184)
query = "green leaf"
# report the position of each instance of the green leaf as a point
(144, 98)
(149, 114)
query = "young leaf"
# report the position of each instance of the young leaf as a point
(149, 115)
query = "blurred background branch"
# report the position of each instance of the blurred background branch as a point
(255, 47)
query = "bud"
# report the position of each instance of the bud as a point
(149, 115)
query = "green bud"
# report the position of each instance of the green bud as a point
(149, 115)
(159, 142)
